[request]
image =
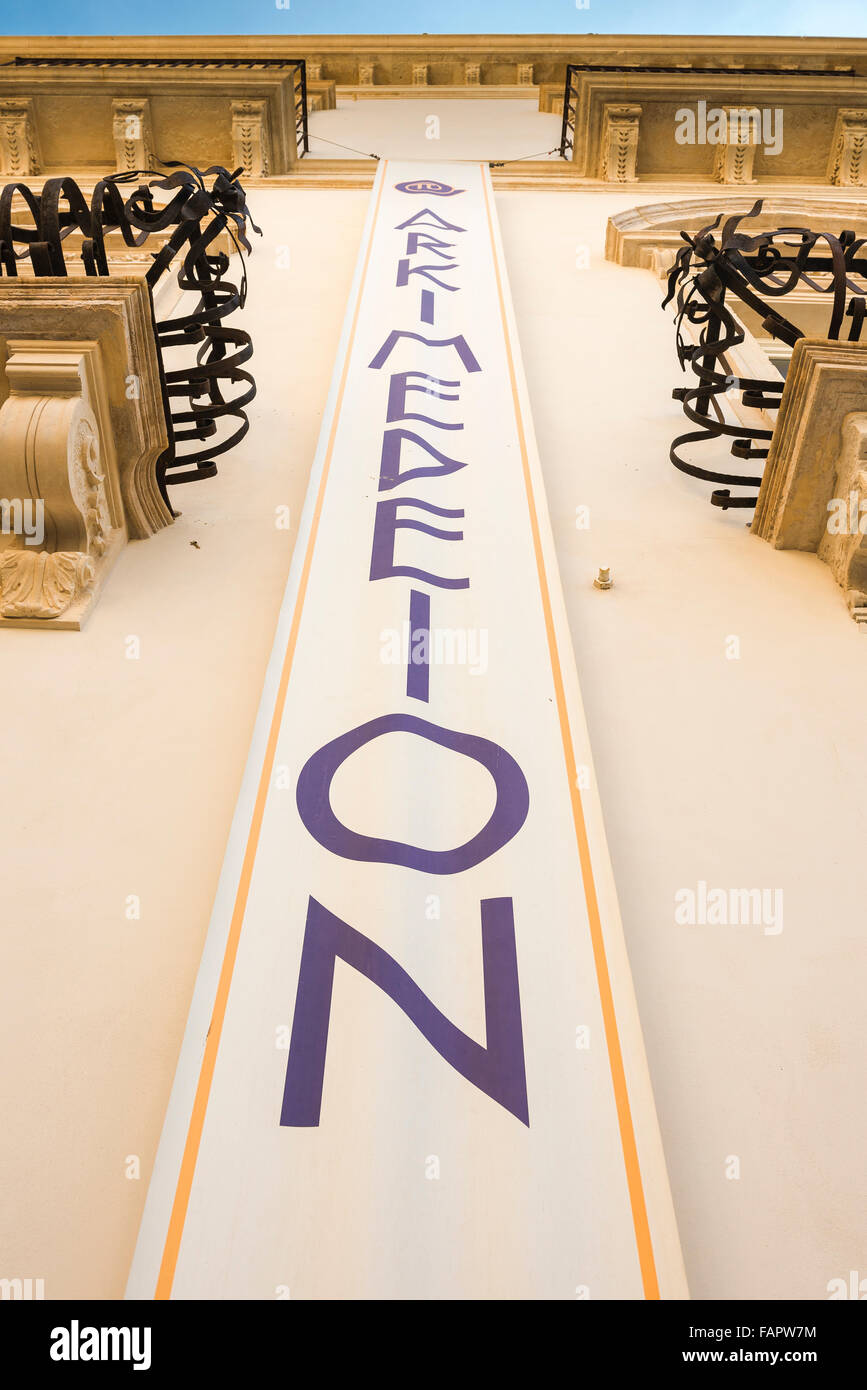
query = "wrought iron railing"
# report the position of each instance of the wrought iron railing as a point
(570, 102)
(199, 397)
(753, 271)
(302, 135)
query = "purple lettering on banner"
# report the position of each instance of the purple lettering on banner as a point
(418, 657)
(442, 224)
(404, 270)
(427, 306)
(430, 243)
(459, 344)
(387, 521)
(497, 1069)
(398, 386)
(389, 469)
(313, 798)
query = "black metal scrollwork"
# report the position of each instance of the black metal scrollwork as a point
(756, 271)
(201, 410)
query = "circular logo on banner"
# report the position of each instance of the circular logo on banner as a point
(433, 186)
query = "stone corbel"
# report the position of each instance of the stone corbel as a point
(321, 95)
(59, 518)
(251, 138)
(734, 159)
(844, 544)
(551, 97)
(131, 129)
(472, 74)
(847, 166)
(19, 148)
(365, 74)
(813, 494)
(419, 74)
(81, 430)
(525, 74)
(619, 150)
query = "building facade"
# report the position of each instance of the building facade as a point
(721, 675)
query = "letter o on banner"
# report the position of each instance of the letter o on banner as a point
(314, 804)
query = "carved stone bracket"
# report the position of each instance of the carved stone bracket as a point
(59, 521)
(844, 545)
(251, 137)
(131, 129)
(551, 97)
(365, 74)
(619, 149)
(848, 164)
(472, 74)
(814, 490)
(525, 75)
(321, 94)
(42, 584)
(419, 74)
(19, 148)
(735, 157)
(81, 429)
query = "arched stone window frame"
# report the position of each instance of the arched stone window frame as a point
(647, 237)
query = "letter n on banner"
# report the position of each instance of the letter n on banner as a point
(497, 1069)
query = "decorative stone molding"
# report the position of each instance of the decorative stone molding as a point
(551, 98)
(190, 84)
(472, 74)
(251, 138)
(72, 110)
(419, 74)
(51, 467)
(844, 544)
(19, 148)
(815, 477)
(792, 149)
(734, 159)
(131, 128)
(321, 96)
(314, 72)
(619, 150)
(649, 236)
(848, 164)
(549, 52)
(457, 91)
(43, 585)
(82, 427)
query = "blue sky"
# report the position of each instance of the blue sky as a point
(783, 17)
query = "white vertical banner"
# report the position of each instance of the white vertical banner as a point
(413, 1066)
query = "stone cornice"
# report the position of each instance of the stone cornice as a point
(229, 100)
(662, 48)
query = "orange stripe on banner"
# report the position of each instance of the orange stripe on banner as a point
(206, 1074)
(615, 1054)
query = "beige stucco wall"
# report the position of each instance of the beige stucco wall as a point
(121, 775)
(743, 773)
(429, 127)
